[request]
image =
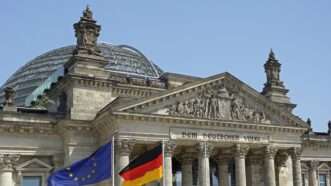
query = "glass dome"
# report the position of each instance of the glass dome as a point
(122, 59)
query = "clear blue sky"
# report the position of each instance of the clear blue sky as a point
(194, 37)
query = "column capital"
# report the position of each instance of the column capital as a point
(169, 148)
(205, 149)
(125, 146)
(314, 164)
(296, 153)
(240, 150)
(282, 158)
(7, 161)
(270, 152)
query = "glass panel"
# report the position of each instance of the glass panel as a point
(303, 180)
(322, 179)
(31, 181)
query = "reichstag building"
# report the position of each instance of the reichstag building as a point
(217, 131)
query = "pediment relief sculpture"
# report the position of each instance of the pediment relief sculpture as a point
(217, 103)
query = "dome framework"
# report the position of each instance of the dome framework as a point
(122, 59)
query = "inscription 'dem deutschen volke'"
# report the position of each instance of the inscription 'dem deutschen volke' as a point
(217, 136)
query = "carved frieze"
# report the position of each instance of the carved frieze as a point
(217, 103)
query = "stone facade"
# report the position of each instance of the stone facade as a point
(216, 131)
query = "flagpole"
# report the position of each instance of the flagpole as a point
(112, 161)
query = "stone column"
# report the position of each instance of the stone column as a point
(205, 150)
(123, 150)
(187, 168)
(223, 169)
(240, 151)
(296, 158)
(7, 162)
(169, 148)
(313, 165)
(269, 164)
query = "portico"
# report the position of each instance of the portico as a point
(217, 123)
(201, 153)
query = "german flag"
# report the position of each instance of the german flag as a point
(144, 169)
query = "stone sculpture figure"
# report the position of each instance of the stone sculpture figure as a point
(216, 103)
(235, 109)
(87, 32)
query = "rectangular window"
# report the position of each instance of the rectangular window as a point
(322, 179)
(31, 181)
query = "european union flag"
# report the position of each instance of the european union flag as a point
(93, 169)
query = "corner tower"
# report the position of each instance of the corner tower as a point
(274, 89)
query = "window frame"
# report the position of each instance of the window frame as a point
(40, 175)
(325, 179)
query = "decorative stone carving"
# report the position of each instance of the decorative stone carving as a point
(169, 148)
(314, 164)
(7, 161)
(270, 152)
(125, 146)
(281, 158)
(217, 103)
(296, 153)
(9, 96)
(87, 32)
(240, 150)
(205, 149)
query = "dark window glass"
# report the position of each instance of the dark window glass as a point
(322, 178)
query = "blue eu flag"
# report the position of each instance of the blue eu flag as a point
(91, 170)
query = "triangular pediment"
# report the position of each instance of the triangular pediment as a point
(34, 164)
(220, 97)
(324, 166)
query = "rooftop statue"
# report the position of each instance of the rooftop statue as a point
(87, 33)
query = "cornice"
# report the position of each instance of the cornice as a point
(210, 123)
(27, 128)
(316, 144)
(75, 126)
